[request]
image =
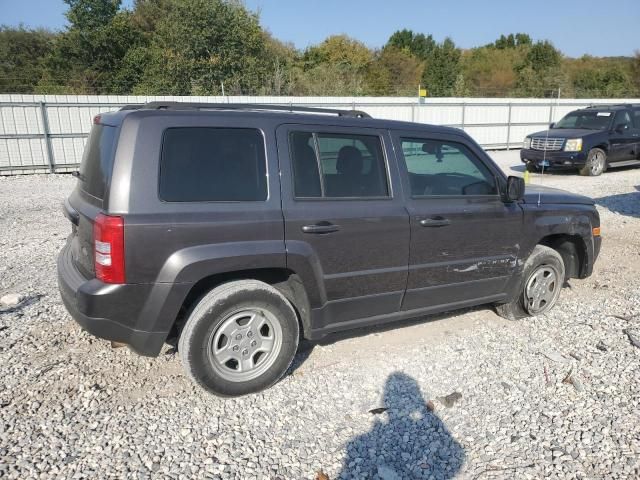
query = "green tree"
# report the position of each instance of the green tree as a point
(540, 73)
(86, 57)
(199, 44)
(394, 72)
(417, 44)
(442, 69)
(22, 54)
(337, 66)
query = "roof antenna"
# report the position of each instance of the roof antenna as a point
(546, 145)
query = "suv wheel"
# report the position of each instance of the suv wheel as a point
(240, 338)
(543, 276)
(596, 163)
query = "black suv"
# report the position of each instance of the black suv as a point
(235, 230)
(591, 139)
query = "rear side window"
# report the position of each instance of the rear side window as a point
(204, 164)
(338, 165)
(97, 160)
(438, 167)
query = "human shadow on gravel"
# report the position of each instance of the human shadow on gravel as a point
(624, 203)
(407, 441)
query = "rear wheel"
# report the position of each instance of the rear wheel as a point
(240, 338)
(543, 277)
(596, 163)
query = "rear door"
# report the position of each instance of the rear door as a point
(636, 133)
(623, 138)
(464, 238)
(344, 219)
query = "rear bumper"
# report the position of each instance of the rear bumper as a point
(121, 313)
(559, 159)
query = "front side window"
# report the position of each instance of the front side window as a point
(636, 118)
(337, 165)
(205, 164)
(439, 167)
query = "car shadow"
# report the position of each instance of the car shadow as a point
(627, 204)
(407, 440)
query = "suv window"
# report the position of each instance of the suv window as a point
(205, 164)
(636, 117)
(438, 167)
(349, 166)
(623, 118)
(97, 161)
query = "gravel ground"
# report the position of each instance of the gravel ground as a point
(467, 394)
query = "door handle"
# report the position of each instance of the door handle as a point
(435, 222)
(322, 227)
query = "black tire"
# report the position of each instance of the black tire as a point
(541, 258)
(596, 163)
(217, 308)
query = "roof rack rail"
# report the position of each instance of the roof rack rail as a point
(243, 106)
(611, 105)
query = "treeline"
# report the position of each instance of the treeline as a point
(200, 47)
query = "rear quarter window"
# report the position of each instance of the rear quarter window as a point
(206, 164)
(97, 160)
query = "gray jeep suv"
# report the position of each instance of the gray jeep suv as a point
(235, 230)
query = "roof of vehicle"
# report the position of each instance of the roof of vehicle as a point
(277, 113)
(608, 108)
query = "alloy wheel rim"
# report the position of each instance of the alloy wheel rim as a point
(597, 164)
(245, 344)
(542, 289)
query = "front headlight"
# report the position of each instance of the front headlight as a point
(573, 145)
(527, 143)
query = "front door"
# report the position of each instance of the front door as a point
(464, 238)
(345, 226)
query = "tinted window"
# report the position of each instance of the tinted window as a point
(212, 164)
(589, 120)
(97, 160)
(623, 118)
(438, 167)
(636, 118)
(347, 166)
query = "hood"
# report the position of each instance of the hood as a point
(550, 195)
(565, 133)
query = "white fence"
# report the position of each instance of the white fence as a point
(46, 133)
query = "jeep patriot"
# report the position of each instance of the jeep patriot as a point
(237, 230)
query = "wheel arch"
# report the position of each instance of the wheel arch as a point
(573, 251)
(283, 279)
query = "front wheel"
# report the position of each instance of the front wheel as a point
(596, 163)
(543, 276)
(240, 338)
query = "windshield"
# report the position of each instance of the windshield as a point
(587, 120)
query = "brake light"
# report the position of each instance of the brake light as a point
(108, 237)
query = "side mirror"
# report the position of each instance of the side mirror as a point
(515, 189)
(551, 125)
(620, 128)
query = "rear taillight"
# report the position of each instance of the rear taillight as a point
(108, 250)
